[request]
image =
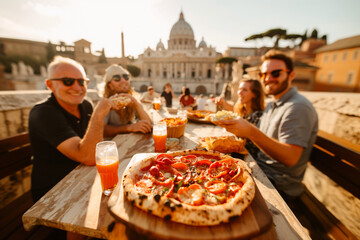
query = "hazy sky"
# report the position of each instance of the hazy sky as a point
(222, 23)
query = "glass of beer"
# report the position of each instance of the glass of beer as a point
(156, 103)
(107, 164)
(160, 135)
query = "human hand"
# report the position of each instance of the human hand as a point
(103, 107)
(219, 101)
(239, 127)
(143, 126)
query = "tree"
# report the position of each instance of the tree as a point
(293, 37)
(102, 58)
(50, 52)
(134, 70)
(314, 34)
(276, 33)
(226, 60)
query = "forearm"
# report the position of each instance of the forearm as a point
(112, 130)
(93, 135)
(285, 153)
(227, 106)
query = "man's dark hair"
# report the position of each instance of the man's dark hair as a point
(274, 54)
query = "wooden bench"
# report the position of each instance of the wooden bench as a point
(15, 154)
(340, 161)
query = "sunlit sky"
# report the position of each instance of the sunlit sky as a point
(222, 23)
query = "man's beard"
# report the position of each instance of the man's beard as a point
(283, 86)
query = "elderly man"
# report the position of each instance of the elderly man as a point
(287, 129)
(63, 128)
(131, 118)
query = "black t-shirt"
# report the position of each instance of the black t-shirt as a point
(168, 98)
(50, 125)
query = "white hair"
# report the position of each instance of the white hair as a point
(64, 60)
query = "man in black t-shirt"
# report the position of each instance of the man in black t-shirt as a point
(64, 128)
(168, 94)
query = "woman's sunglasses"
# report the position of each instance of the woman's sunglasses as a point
(70, 81)
(274, 73)
(118, 77)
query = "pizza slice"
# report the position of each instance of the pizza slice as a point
(119, 101)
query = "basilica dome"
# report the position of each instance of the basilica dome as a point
(181, 29)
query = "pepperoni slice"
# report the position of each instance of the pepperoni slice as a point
(216, 187)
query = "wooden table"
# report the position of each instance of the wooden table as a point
(76, 203)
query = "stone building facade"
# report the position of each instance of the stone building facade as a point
(182, 63)
(339, 66)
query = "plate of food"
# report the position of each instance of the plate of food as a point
(199, 116)
(190, 194)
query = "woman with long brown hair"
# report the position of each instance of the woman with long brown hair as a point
(117, 81)
(249, 106)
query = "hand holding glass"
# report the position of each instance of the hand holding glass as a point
(160, 135)
(107, 164)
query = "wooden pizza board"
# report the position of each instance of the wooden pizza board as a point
(255, 221)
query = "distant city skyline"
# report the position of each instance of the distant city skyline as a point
(144, 22)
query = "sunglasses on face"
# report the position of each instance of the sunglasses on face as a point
(118, 77)
(70, 81)
(274, 73)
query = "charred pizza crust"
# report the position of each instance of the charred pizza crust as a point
(170, 208)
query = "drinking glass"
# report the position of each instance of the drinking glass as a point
(160, 135)
(182, 114)
(107, 164)
(157, 103)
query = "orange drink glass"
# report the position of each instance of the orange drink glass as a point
(107, 164)
(160, 135)
(156, 103)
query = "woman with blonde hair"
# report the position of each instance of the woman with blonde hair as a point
(131, 118)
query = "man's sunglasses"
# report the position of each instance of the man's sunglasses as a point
(70, 81)
(274, 73)
(118, 77)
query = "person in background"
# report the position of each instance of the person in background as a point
(249, 106)
(168, 95)
(201, 101)
(64, 129)
(210, 104)
(148, 97)
(187, 101)
(287, 129)
(133, 117)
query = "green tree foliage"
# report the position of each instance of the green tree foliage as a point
(28, 60)
(226, 60)
(102, 57)
(50, 52)
(314, 34)
(277, 33)
(134, 70)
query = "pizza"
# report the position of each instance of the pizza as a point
(193, 187)
(120, 101)
(222, 115)
(224, 144)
